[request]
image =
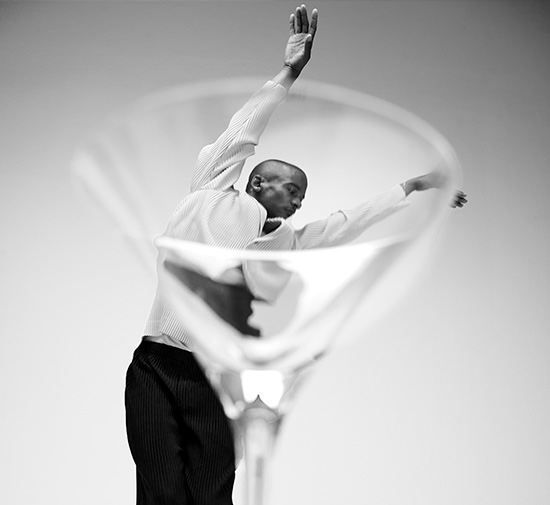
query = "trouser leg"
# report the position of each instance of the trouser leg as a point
(177, 431)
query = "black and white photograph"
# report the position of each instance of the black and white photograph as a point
(257, 252)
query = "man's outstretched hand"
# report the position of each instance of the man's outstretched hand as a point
(302, 33)
(435, 179)
(459, 199)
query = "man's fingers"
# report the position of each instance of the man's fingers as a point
(298, 20)
(305, 21)
(307, 46)
(313, 25)
(301, 24)
(459, 200)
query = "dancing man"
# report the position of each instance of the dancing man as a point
(178, 434)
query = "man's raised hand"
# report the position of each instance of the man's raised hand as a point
(302, 33)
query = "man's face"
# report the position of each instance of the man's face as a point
(282, 195)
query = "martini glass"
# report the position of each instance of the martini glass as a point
(258, 339)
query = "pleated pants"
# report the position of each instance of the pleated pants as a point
(179, 436)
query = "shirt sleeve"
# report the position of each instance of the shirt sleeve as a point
(346, 225)
(219, 165)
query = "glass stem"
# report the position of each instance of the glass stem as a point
(260, 427)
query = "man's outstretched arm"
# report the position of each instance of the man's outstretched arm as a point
(298, 48)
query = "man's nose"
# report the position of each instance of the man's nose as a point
(297, 202)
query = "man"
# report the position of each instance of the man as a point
(178, 434)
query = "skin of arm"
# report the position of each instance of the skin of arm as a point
(435, 179)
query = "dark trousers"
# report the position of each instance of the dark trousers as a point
(178, 434)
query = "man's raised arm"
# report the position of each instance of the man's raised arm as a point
(298, 47)
(219, 164)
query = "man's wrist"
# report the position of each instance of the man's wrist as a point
(286, 76)
(409, 186)
(294, 72)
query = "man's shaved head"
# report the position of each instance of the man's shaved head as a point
(272, 169)
(279, 186)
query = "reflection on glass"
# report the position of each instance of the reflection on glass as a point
(257, 338)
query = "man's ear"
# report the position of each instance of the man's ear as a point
(256, 183)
